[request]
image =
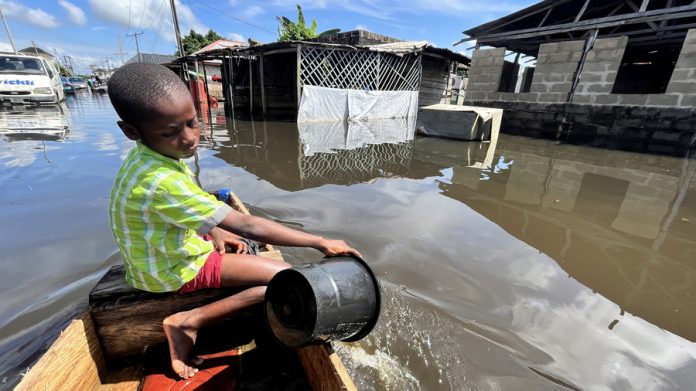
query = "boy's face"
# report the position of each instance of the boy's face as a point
(174, 130)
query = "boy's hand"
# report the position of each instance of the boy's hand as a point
(222, 238)
(332, 247)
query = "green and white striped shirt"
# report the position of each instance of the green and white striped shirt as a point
(156, 211)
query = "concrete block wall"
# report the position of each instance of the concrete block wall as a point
(682, 84)
(484, 74)
(555, 69)
(600, 69)
(556, 66)
(661, 130)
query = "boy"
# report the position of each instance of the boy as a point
(158, 213)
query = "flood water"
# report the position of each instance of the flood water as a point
(521, 266)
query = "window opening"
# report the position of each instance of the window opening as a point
(517, 75)
(646, 69)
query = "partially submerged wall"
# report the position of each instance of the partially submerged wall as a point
(662, 123)
(434, 81)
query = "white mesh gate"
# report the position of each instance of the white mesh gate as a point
(346, 68)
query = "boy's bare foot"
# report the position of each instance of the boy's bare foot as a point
(181, 337)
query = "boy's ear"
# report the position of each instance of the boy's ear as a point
(129, 130)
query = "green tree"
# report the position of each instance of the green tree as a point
(194, 41)
(299, 31)
(63, 70)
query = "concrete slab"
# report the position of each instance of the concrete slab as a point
(459, 122)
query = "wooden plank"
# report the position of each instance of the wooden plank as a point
(610, 21)
(299, 75)
(251, 87)
(640, 9)
(543, 20)
(526, 15)
(263, 85)
(324, 368)
(582, 11)
(75, 362)
(130, 320)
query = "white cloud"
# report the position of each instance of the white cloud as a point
(75, 13)
(5, 47)
(361, 27)
(80, 61)
(155, 13)
(251, 11)
(236, 37)
(387, 9)
(34, 16)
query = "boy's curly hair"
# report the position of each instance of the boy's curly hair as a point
(136, 88)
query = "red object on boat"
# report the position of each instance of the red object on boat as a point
(217, 78)
(213, 102)
(219, 372)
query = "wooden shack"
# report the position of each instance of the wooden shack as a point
(269, 79)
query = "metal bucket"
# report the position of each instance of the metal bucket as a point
(337, 298)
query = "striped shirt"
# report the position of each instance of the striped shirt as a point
(156, 213)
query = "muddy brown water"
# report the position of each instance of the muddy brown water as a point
(529, 265)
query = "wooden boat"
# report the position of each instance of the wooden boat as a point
(118, 343)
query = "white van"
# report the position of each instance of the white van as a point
(29, 79)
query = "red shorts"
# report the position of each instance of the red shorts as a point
(208, 277)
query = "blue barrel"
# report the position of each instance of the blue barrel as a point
(337, 298)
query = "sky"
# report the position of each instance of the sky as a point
(88, 31)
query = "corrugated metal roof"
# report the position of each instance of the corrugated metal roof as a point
(408, 47)
(492, 25)
(402, 47)
(220, 44)
(152, 58)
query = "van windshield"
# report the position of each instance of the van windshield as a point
(21, 65)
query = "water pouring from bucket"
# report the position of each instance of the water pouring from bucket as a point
(337, 298)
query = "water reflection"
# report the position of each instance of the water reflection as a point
(521, 265)
(308, 155)
(623, 230)
(45, 122)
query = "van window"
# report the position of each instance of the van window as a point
(21, 65)
(50, 70)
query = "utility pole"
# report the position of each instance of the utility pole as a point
(120, 49)
(176, 29)
(35, 49)
(136, 43)
(7, 28)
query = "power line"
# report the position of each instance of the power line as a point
(142, 16)
(157, 36)
(129, 16)
(236, 18)
(159, 11)
(136, 42)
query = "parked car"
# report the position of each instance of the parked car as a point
(29, 79)
(78, 83)
(68, 87)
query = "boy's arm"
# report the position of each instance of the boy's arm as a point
(270, 232)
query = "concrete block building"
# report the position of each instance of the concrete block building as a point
(611, 73)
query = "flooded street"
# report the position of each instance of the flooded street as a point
(527, 266)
